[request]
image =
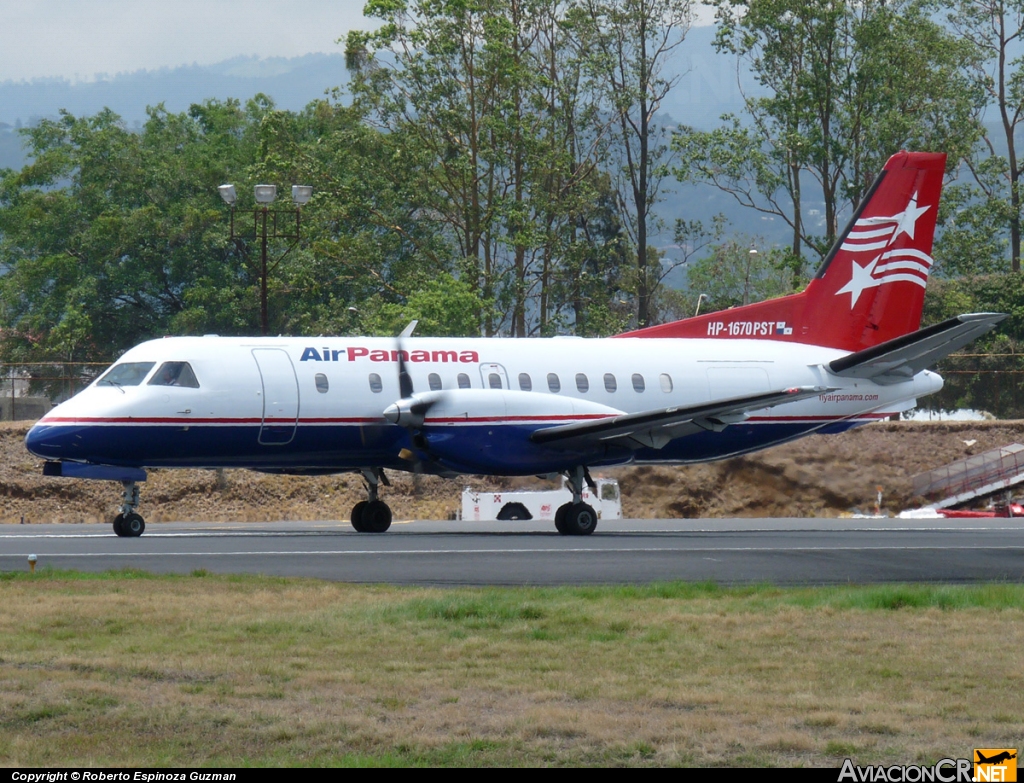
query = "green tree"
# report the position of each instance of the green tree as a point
(995, 28)
(102, 234)
(736, 273)
(847, 84)
(630, 42)
(363, 236)
(500, 119)
(443, 306)
(986, 375)
(112, 236)
(973, 221)
(444, 89)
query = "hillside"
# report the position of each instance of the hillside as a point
(818, 476)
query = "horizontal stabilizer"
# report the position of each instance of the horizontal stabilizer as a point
(900, 359)
(653, 429)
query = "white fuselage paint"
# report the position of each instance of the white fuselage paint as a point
(232, 392)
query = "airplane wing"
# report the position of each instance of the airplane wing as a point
(653, 429)
(900, 359)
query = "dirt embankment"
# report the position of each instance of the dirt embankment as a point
(823, 475)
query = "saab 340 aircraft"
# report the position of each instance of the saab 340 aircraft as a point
(844, 352)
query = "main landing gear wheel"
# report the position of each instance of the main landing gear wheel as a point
(372, 515)
(578, 519)
(376, 516)
(560, 518)
(129, 525)
(357, 516)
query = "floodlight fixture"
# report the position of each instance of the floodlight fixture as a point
(268, 224)
(265, 194)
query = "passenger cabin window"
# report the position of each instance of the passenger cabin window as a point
(582, 384)
(554, 385)
(375, 385)
(463, 381)
(494, 380)
(175, 374)
(609, 383)
(638, 383)
(435, 381)
(127, 374)
(524, 381)
(666, 382)
(321, 383)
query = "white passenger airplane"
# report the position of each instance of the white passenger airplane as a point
(842, 353)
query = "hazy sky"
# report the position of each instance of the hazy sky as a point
(77, 39)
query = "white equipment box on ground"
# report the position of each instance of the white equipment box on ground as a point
(539, 504)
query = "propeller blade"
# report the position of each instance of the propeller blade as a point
(405, 388)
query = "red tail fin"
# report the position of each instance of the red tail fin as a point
(870, 287)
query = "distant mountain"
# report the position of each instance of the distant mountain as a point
(291, 82)
(707, 88)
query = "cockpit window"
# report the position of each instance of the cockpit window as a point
(175, 374)
(127, 374)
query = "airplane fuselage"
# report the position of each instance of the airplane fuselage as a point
(301, 404)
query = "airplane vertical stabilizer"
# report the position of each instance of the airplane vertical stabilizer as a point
(870, 287)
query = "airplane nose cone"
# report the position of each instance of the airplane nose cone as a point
(46, 441)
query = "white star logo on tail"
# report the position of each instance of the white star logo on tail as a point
(863, 277)
(874, 233)
(907, 265)
(907, 219)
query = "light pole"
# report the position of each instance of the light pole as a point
(700, 299)
(266, 227)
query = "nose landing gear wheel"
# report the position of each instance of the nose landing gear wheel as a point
(129, 525)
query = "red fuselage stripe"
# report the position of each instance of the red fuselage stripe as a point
(454, 420)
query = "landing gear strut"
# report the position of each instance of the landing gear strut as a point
(577, 518)
(128, 524)
(372, 515)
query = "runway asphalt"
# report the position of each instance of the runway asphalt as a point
(728, 551)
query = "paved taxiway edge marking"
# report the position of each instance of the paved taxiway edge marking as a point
(594, 550)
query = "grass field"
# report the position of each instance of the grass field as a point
(126, 668)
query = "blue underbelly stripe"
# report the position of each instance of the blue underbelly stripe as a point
(350, 447)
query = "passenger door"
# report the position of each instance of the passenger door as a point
(280, 396)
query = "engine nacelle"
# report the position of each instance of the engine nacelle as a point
(488, 430)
